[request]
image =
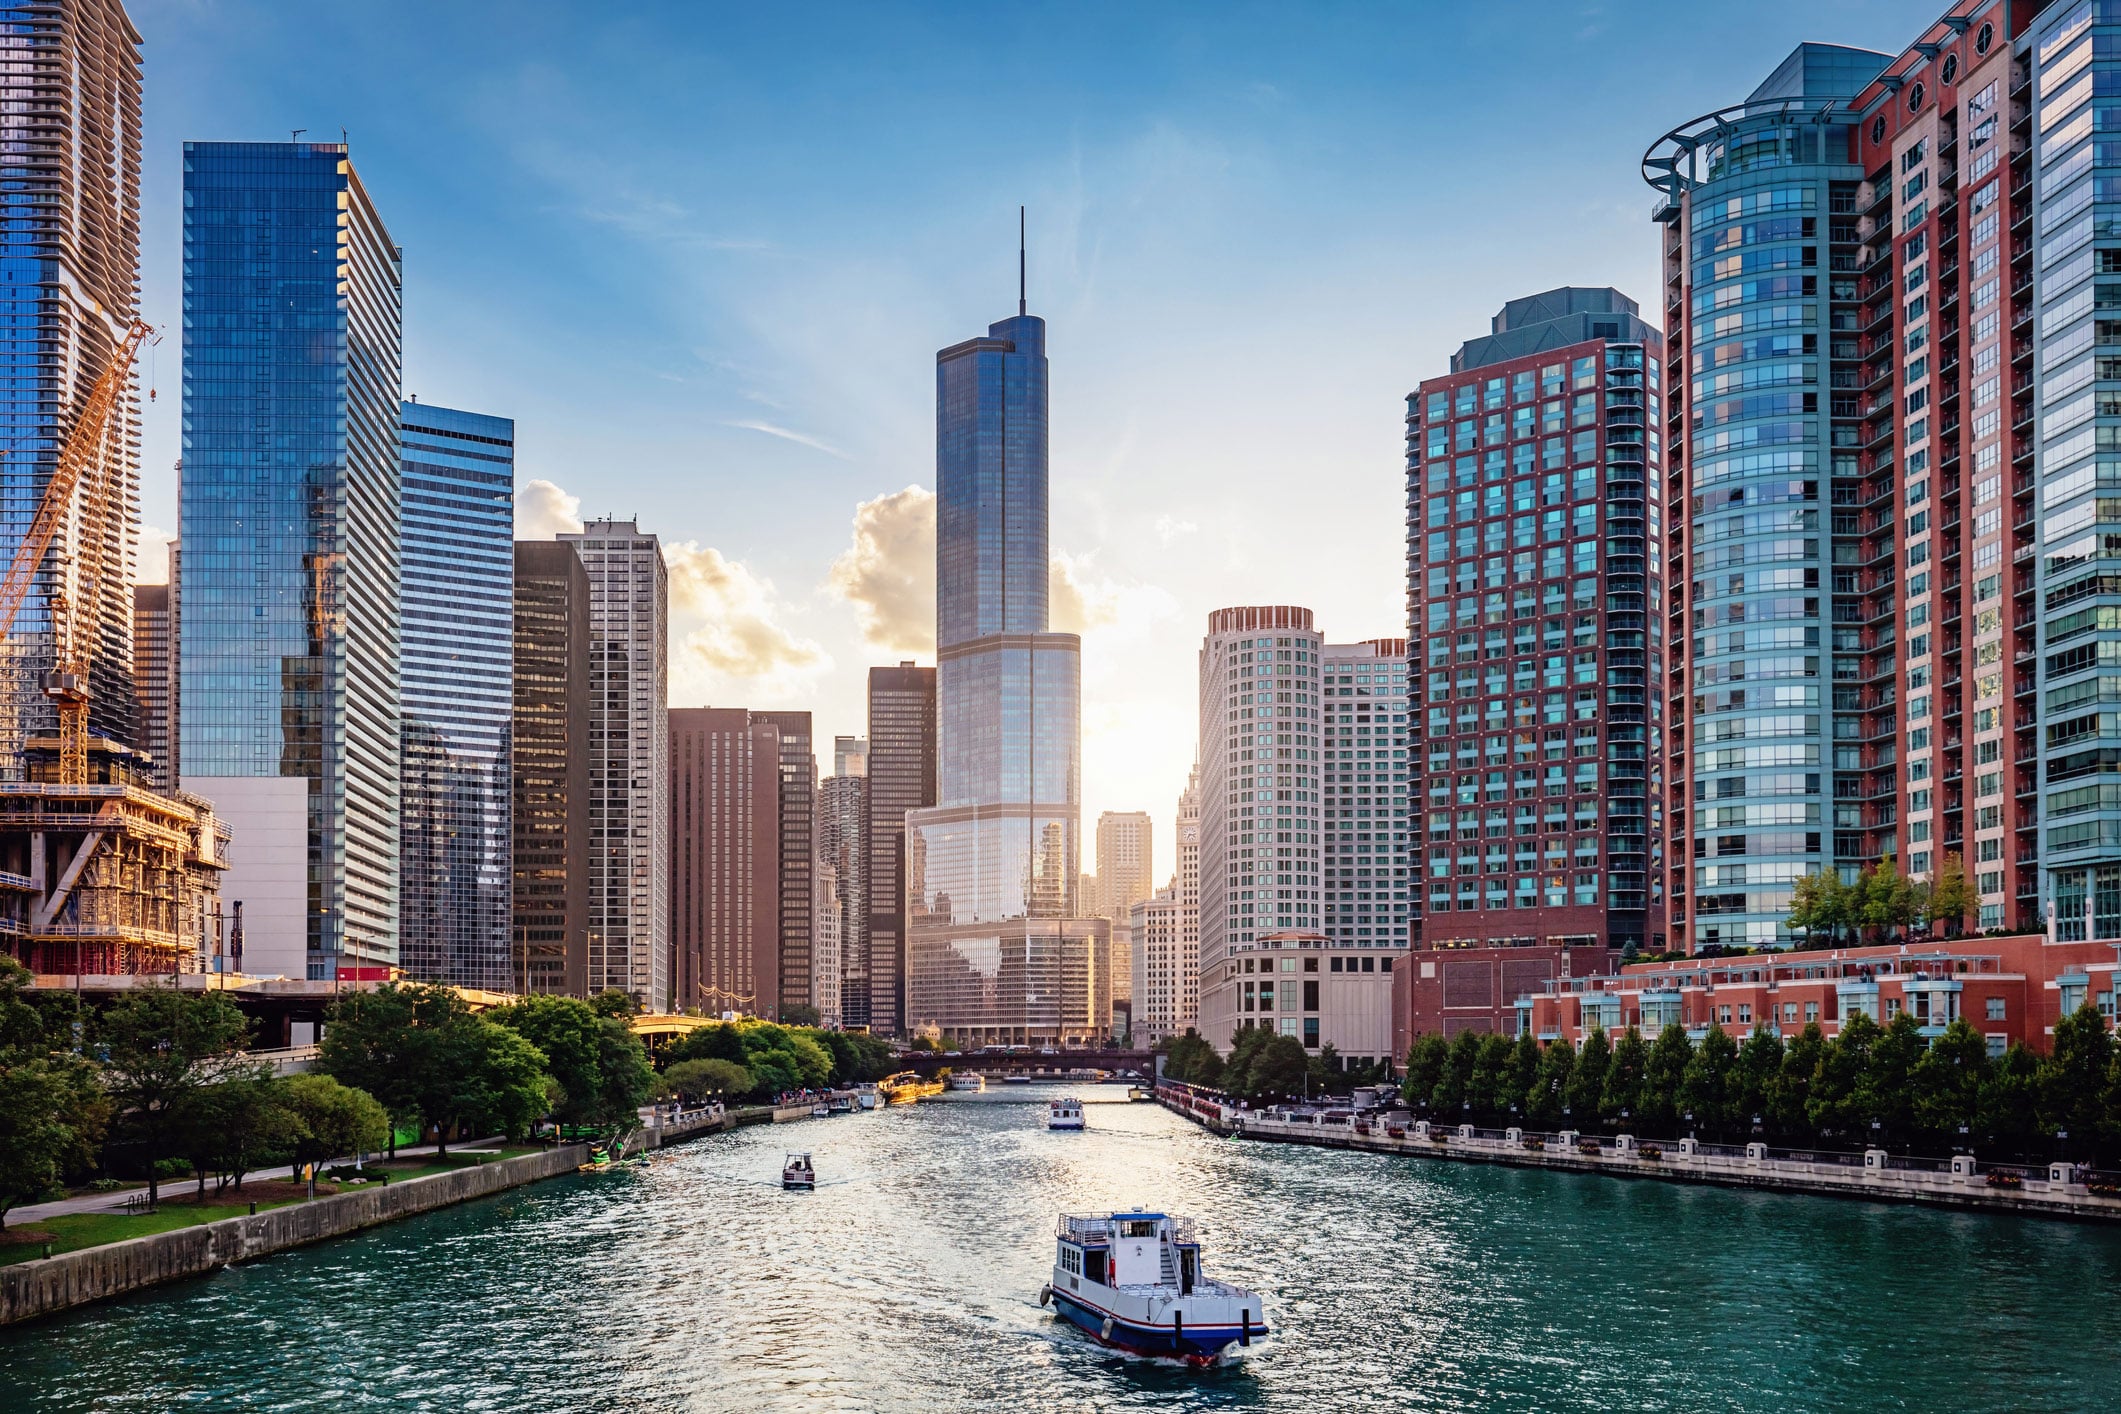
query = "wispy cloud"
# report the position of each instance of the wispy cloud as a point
(737, 638)
(888, 573)
(1168, 529)
(801, 439)
(543, 511)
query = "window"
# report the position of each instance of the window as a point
(1994, 1008)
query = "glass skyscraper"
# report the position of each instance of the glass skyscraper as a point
(290, 518)
(70, 245)
(455, 668)
(995, 952)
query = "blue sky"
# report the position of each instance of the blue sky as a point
(704, 255)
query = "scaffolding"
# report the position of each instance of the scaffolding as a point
(109, 877)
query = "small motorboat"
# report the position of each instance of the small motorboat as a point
(797, 1172)
(1133, 1281)
(1139, 1094)
(1064, 1113)
(842, 1103)
(821, 1110)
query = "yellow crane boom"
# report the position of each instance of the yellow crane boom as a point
(68, 683)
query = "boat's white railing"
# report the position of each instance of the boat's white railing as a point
(1076, 1229)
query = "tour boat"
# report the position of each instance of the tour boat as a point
(842, 1103)
(906, 1087)
(973, 1083)
(1133, 1280)
(1064, 1113)
(796, 1172)
(1016, 1080)
(821, 1110)
(867, 1097)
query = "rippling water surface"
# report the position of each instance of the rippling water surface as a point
(909, 1282)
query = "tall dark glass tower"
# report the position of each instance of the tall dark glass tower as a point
(995, 953)
(456, 671)
(290, 515)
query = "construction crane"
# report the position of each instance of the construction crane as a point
(67, 684)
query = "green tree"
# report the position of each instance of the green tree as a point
(1753, 1078)
(1587, 1079)
(52, 1112)
(1621, 1103)
(1484, 1087)
(1705, 1084)
(1190, 1060)
(1514, 1096)
(1426, 1059)
(801, 1014)
(1837, 1101)
(597, 1060)
(701, 1078)
(1885, 1093)
(1885, 901)
(1278, 1071)
(334, 1120)
(2077, 1082)
(1245, 1047)
(613, 1003)
(1821, 903)
(162, 1047)
(2010, 1098)
(1790, 1100)
(1550, 1087)
(240, 1123)
(1947, 1084)
(490, 1079)
(1454, 1087)
(1950, 897)
(716, 1041)
(390, 1043)
(1661, 1074)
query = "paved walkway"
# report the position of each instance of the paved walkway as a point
(102, 1202)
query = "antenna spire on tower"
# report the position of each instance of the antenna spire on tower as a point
(1021, 307)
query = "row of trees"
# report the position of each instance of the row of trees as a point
(1867, 1085)
(751, 1059)
(1881, 902)
(1262, 1066)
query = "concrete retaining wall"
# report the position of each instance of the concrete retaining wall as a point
(53, 1284)
(2037, 1198)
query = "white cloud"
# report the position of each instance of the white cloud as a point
(154, 554)
(888, 572)
(1082, 599)
(1168, 529)
(733, 637)
(543, 511)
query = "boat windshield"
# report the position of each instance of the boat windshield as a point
(1137, 1228)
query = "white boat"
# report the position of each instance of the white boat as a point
(797, 1172)
(1064, 1113)
(973, 1083)
(867, 1097)
(821, 1110)
(1133, 1280)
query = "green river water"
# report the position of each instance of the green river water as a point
(909, 1281)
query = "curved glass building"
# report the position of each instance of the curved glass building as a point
(1782, 553)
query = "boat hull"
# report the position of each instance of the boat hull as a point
(1064, 1123)
(1201, 1345)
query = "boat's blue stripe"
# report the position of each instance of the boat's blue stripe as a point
(1165, 1333)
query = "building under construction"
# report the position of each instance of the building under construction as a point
(110, 876)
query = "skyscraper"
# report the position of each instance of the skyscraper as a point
(154, 664)
(550, 811)
(1124, 859)
(842, 843)
(799, 963)
(456, 674)
(996, 953)
(1186, 882)
(290, 513)
(1369, 846)
(1923, 502)
(1534, 511)
(901, 779)
(1161, 971)
(1260, 785)
(727, 889)
(629, 760)
(70, 121)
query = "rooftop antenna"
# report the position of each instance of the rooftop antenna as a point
(295, 134)
(1021, 308)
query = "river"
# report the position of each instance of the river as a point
(909, 1281)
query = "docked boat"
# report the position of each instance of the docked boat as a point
(797, 1172)
(1064, 1113)
(1016, 1079)
(906, 1087)
(973, 1083)
(842, 1103)
(1133, 1280)
(1140, 1093)
(867, 1097)
(821, 1110)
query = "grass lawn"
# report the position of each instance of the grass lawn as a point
(77, 1230)
(423, 1165)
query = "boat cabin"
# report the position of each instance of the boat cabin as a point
(1134, 1249)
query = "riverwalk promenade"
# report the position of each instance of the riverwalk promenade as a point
(2059, 1191)
(48, 1285)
